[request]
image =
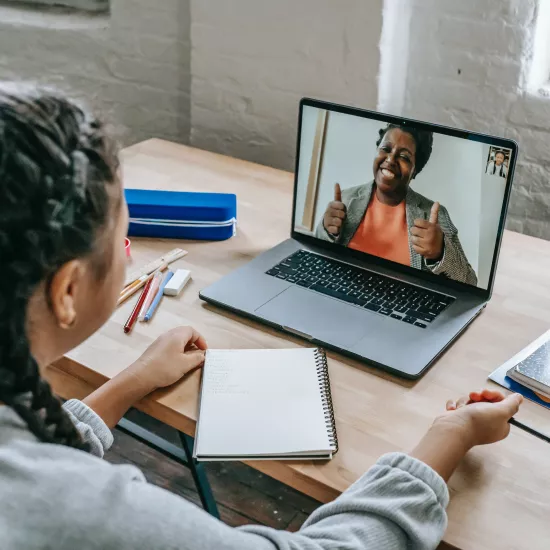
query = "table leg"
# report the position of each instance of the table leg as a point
(183, 455)
(199, 475)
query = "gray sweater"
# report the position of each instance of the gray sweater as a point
(55, 497)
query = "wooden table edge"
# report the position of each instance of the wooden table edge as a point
(68, 385)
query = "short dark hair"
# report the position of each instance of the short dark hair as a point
(423, 139)
(500, 153)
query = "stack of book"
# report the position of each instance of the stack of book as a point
(533, 372)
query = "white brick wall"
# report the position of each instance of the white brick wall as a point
(468, 65)
(464, 63)
(86, 5)
(253, 60)
(134, 65)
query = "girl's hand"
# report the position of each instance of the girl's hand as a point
(169, 358)
(482, 417)
(478, 419)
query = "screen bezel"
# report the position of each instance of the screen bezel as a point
(436, 128)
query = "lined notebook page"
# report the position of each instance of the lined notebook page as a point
(261, 402)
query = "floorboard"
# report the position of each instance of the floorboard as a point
(243, 494)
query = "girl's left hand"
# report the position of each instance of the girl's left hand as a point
(482, 417)
(169, 358)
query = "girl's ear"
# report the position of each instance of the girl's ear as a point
(63, 292)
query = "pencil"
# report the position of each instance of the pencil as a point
(137, 308)
(528, 429)
(158, 297)
(151, 293)
(136, 285)
(133, 288)
(128, 287)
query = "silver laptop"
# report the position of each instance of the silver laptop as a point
(395, 236)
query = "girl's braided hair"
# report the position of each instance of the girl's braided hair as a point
(56, 168)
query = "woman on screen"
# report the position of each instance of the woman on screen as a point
(386, 218)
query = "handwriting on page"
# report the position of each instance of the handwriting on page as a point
(221, 379)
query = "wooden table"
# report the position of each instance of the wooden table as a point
(500, 496)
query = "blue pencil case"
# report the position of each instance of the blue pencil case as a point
(178, 215)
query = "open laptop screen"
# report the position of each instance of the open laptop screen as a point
(406, 192)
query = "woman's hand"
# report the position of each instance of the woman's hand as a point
(169, 358)
(427, 236)
(478, 419)
(482, 417)
(335, 214)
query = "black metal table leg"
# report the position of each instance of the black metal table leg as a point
(199, 475)
(183, 456)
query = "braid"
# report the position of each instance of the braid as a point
(55, 166)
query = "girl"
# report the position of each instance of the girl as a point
(62, 223)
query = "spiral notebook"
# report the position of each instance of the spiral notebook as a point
(265, 405)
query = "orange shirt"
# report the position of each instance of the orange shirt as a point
(384, 232)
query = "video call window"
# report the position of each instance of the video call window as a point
(422, 199)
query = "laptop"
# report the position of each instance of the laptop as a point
(395, 236)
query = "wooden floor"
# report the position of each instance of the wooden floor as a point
(243, 495)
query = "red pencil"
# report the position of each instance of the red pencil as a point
(135, 312)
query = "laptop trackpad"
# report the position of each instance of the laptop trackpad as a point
(323, 318)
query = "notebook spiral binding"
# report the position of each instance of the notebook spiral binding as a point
(324, 384)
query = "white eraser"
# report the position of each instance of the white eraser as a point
(177, 282)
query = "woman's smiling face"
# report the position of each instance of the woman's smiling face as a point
(394, 164)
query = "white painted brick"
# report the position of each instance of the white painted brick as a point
(463, 66)
(534, 145)
(135, 69)
(138, 71)
(534, 177)
(490, 42)
(515, 224)
(482, 36)
(537, 228)
(85, 5)
(531, 111)
(251, 62)
(151, 18)
(516, 12)
(447, 94)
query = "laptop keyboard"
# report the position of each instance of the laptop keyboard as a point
(401, 301)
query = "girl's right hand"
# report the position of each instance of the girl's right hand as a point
(169, 358)
(482, 417)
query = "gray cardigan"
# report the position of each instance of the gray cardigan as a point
(55, 497)
(454, 263)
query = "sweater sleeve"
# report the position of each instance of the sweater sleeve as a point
(398, 504)
(91, 427)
